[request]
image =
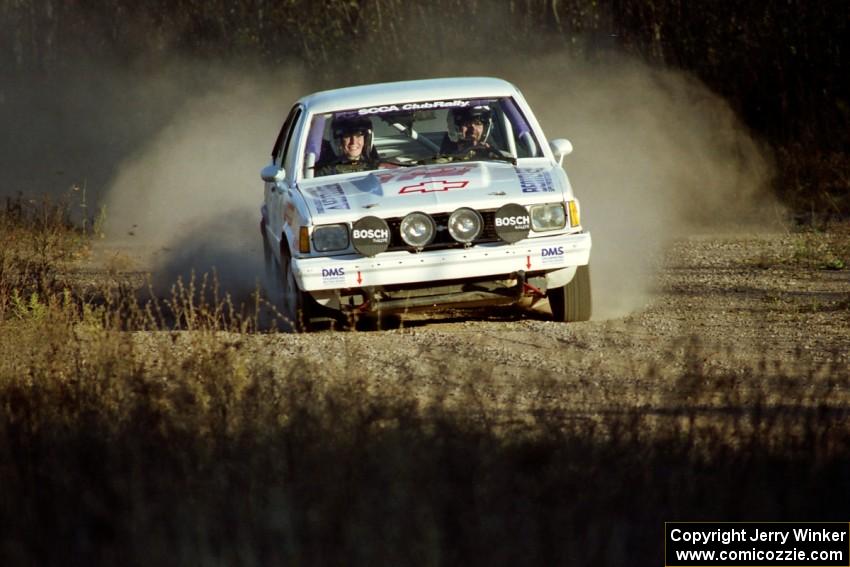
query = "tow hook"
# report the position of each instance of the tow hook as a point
(534, 291)
(520, 284)
(524, 288)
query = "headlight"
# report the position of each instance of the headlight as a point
(418, 229)
(330, 237)
(465, 225)
(548, 217)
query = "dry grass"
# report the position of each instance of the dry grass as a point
(824, 250)
(208, 454)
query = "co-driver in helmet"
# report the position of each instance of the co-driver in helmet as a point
(352, 146)
(468, 131)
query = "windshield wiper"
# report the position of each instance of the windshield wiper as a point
(501, 157)
(398, 163)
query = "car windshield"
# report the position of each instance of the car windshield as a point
(407, 134)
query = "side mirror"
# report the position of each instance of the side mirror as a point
(272, 173)
(561, 147)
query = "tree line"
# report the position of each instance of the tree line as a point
(778, 62)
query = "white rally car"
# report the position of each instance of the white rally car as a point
(421, 194)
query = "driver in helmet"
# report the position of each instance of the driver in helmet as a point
(468, 131)
(352, 147)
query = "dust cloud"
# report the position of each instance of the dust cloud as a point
(657, 156)
(188, 202)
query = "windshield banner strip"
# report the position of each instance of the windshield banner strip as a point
(414, 106)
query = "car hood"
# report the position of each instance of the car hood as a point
(431, 189)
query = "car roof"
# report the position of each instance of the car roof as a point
(407, 91)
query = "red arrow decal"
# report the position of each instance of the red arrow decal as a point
(528, 262)
(433, 185)
(359, 279)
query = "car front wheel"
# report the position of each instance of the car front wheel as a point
(268, 256)
(293, 300)
(571, 303)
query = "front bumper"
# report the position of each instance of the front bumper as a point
(401, 267)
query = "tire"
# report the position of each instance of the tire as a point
(572, 302)
(293, 301)
(268, 258)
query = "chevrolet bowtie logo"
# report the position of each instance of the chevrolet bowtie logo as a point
(433, 186)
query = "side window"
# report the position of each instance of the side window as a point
(281, 145)
(289, 137)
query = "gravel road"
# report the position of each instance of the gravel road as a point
(726, 303)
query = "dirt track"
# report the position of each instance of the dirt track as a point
(729, 301)
(726, 303)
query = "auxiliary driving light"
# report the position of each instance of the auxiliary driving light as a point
(370, 235)
(465, 225)
(418, 229)
(512, 222)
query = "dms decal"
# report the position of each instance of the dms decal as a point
(432, 186)
(429, 171)
(535, 181)
(414, 106)
(330, 197)
(333, 275)
(552, 255)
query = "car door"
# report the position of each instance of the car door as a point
(277, 192)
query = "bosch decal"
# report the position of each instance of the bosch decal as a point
(333, 275)
(520, 221)
(553, 255)
(433, 186)
(535, 181)
(330, 197)
(371, 233)
(414, 106)
(512, 222)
